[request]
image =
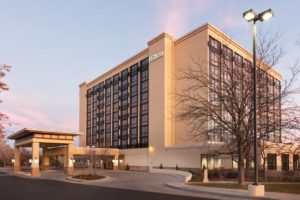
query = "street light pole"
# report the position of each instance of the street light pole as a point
(254, 107)
(249, 16)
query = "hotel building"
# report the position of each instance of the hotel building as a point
(132, 107)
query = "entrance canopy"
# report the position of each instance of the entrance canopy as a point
(41, 138)
(26, 136)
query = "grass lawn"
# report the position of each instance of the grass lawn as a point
(293, 188)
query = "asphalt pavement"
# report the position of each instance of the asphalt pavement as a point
(18, 188)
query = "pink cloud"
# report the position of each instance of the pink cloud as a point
(174, 16)
(230, 21)
(30, 112)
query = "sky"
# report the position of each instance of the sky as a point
(54, 45)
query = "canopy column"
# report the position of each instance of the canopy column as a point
(17, 159)
(35, 165)
(45, 160)
(69, 168)
(116, 162)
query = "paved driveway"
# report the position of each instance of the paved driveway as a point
(18, 188)
(140, 183)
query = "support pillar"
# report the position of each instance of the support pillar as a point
(17, 167)
(205, 175)
(45, 160)
(69, 169)
(116, 163)
(35, 165)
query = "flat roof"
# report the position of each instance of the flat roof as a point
(30, 131)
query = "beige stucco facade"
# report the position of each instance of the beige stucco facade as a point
(169, 141)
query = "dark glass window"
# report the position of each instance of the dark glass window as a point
(144, 75)
(116, 116)
(134, 100)
(285, 161)
(144, 108)
(124, 113)
(134, 89)
(116, 97)
(144, 120)
(116, 107)
(133, 122)
(133, 79)
(296, 162)
(124, 103)
(144, 86)
(144, 97)
(124, 73)
(272, 163)
(133, 111)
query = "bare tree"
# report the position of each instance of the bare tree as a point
(277, 132)
(224, 113)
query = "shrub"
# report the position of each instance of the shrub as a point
(232, 174)
(213, 174)
(127, 167)
(161, 166)
(294, 179)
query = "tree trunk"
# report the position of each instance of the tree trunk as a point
(264, 169)
(241, 166)
(247, 168)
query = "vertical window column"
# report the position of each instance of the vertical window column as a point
(277, 110)
(101, 118)
(94, 116)
(124, 109)
(214, 76)
(115, 135)
(89, 117)
(144, 102)
(134, 106)
(108, 113)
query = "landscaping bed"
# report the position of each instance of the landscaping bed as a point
(88, 177)
(232, 175)
(293, 188)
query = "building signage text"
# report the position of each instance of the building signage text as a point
(156, 56)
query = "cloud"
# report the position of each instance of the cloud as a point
(174, 15)
(29, 112)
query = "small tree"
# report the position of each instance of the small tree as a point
(4, 148)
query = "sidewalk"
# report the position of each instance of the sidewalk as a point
(243, 194)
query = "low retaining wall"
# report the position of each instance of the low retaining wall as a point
(138, 168)
(187, 175)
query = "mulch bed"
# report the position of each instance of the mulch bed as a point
(88, 177)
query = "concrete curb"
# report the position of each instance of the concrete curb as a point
(221, 192)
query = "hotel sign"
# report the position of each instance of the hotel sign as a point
(156, 56)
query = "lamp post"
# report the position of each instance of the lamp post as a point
(249, 16)
(91, 155)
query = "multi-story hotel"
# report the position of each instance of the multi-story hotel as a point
(133, 108)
